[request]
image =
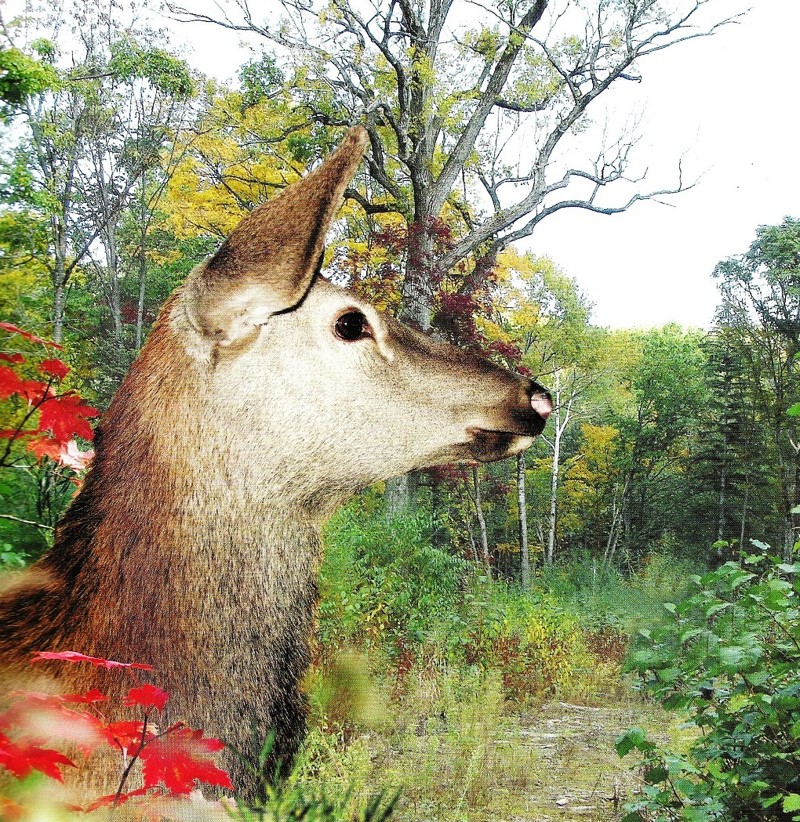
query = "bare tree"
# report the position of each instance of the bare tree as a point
(473, 107)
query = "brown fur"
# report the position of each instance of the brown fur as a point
(194, 544)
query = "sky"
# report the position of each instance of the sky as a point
(729, 106)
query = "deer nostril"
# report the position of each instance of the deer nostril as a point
(542, 404)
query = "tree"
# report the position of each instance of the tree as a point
(730, 476)
(538, 322)
(760, 315)
(477, 115)
(93, 131)
(658, 434)
(22, 76)
(130, 123)
(449, 104)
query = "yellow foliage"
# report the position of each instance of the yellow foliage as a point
(230, 164)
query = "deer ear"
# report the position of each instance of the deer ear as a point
(269, 260)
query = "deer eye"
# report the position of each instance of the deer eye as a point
(351, 326)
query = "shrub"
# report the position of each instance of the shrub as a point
(533, 644)
(385, 587)
(729, 656)
(382, 582)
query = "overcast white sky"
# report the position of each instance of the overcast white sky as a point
(730, 105)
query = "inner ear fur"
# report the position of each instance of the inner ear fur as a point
(269, 260)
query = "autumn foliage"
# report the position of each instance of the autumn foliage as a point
(174, 761)
(62, 416)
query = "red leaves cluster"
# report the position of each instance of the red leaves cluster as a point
(179, 760)
(174, 761)
(146, 696)
(21, 758)
(62, 417)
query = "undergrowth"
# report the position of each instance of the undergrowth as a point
(425, 671)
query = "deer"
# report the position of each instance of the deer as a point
(264, 397)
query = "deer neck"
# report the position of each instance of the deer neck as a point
(179, 532)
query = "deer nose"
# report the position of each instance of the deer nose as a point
(542, 404)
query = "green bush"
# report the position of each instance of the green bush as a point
(533, 644)
(382, 583)
(601, 597)
(385, 589)
(729, 657)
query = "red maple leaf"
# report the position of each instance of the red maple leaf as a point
(66, 416)
(45, 717)
(54, 368)
(10, 382)
(13, 329)
(146, 696)
(127, 735)
(20, 758)
(120, 798)
(44, 446)
(179, 760)
(74, 656)
(32, 391)
(35, 392)
(15, 358)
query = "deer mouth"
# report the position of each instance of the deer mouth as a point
(488, 446)
(524, 424)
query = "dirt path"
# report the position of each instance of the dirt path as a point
(581, 776)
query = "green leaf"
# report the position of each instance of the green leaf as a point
(791, 802)
(758, 678)
(655, 776)
(690, 633)
(716, 609)
(731, 656)
(632, 739)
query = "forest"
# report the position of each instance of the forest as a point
(628, 577)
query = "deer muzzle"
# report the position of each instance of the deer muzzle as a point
(517, 428)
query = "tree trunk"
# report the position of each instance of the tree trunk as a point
(553, 511)
(478, 502)
(140, 303)
(59, 277)
(142, 264)
(59, 307)
(525, 561)
(399, 494)
(722, 493)
(417, 297)
(743, 523)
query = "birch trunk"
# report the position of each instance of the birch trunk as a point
(525, 561)
(478, 502)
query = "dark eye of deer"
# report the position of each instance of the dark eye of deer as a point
(351, 326)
